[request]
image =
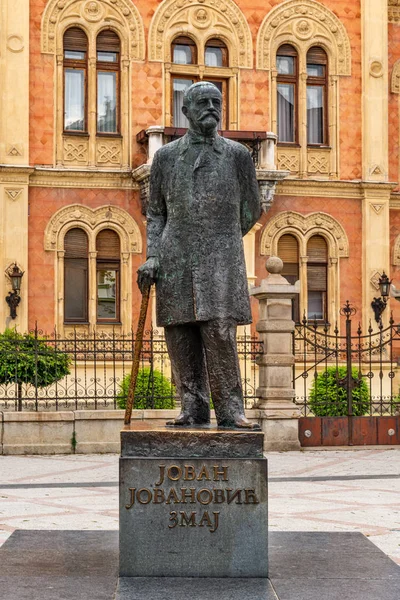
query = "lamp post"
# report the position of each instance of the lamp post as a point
(379, 304)
(13, 299)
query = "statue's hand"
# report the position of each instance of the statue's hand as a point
(147, 273)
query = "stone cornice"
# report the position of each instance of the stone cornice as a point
(141, 173)
(15, 174)
(356, 189)
(394, 11)
(395, 200)
(74, 178)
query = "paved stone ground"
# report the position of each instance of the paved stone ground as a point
(349, 490)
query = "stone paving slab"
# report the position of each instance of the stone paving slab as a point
(183, 588)
(83, 565)
(59, 565)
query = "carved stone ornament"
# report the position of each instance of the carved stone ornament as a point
(215, 18)
(395, 83)
(306, 23)
(93, 11)
(92, 221)
(14, 150)
(109, 153)
(396, 252)
(374, 279)
(15, 43)
(13, 193)
(318, 162)
(394, 11)
(376, 170)
(376, 69)
(303, 227)
(288, 161)
(121, 15)
(377, 208)
(76, 152)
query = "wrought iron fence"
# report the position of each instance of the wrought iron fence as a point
(346, 375)
(99, 365)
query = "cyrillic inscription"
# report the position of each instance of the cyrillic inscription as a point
(173, 493)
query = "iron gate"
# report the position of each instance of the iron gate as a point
(347, 386)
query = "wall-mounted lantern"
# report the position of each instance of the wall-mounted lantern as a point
(379, 304)
(13, 299)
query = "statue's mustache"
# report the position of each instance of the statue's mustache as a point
(210, 113)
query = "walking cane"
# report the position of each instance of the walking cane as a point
(136, 355)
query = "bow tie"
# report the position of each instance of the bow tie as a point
(197, 138)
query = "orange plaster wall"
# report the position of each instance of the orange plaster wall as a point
(394, 133)
(394, 270)
(348, 214)
(41, 94)
(147, 103)
(43, 203)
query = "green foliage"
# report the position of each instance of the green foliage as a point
(153, 390)
(26, 359)
(328, 399)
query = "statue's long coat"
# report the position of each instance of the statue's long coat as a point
(203, 199)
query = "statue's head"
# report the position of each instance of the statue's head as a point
(202, 105)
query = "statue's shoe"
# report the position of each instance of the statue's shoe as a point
(186, 420)
(240, 422)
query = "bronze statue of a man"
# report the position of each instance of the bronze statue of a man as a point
(203, 200)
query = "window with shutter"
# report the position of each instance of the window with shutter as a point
(287, 93)
(75, 80)
(184, 51)
(317, 86)
(288, 252)
(108, 76)
(216, 53)
(108, 276)
(317, 277)
(76, 276)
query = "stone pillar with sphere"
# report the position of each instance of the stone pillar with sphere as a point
(277, 410)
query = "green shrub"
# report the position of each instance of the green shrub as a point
(26, 359)
(329, 399)
(153, 390)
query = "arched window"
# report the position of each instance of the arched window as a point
(317, 96)
(216, 53)
(317, 278)
(108, 81)
(108, 265)
(76, 276)
(184, 52)
(288, 252)
(287, 93)
(75, 80)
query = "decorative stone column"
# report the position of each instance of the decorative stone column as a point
(276, 409)
(267, 156)
(156, 140)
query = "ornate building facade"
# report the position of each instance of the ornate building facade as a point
(91, 88)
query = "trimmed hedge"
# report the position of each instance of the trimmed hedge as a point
(328, 399)
(153, 390)
(25, 358)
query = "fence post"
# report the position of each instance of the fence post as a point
(277, 412)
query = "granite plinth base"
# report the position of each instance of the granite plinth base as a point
(83, 565)
(193, 503)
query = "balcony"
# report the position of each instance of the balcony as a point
(261, 145)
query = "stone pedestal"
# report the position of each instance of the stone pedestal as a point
(278, 412)
(193, 503)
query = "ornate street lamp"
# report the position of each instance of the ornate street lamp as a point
(13, 299)
(379, 304)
